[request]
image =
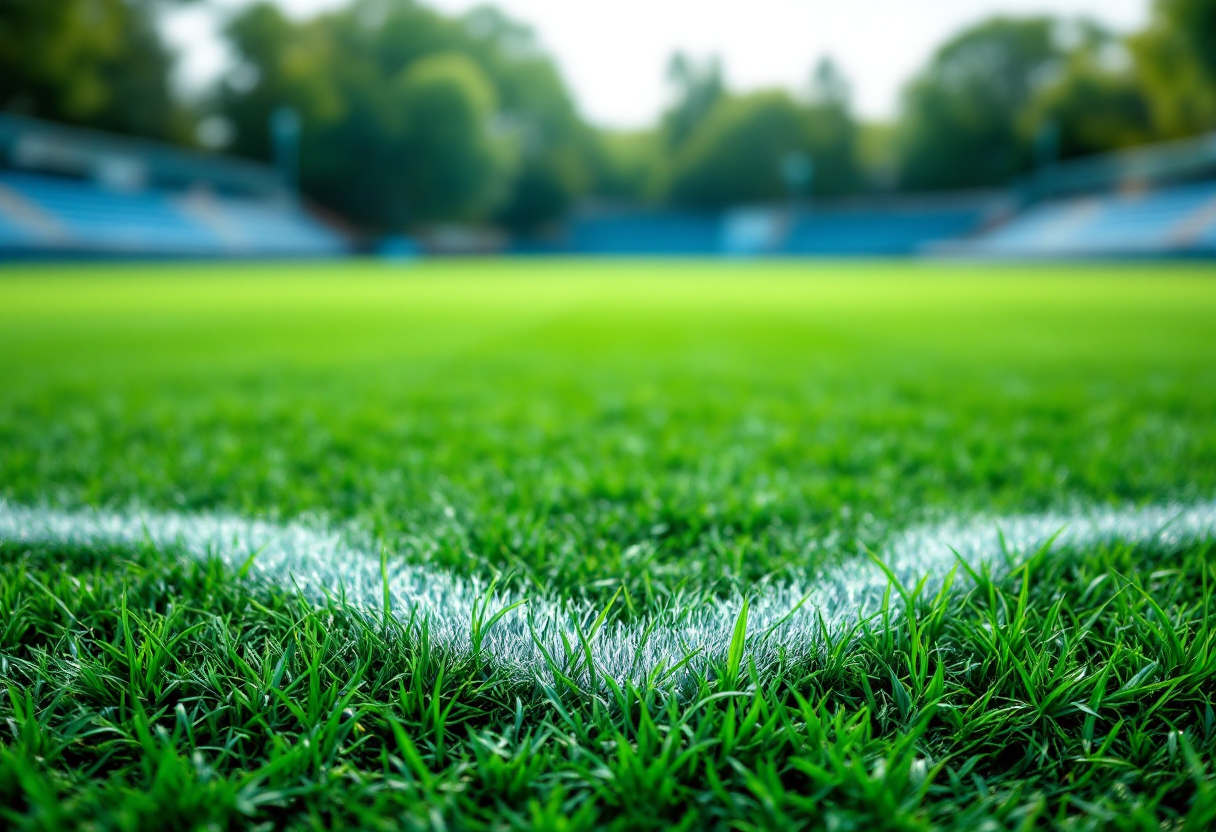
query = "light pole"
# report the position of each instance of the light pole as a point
(1046, 156)
(798, 172)
(285, 138)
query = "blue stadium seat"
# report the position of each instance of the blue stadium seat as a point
(877, 233)
(89, 218)
(14, 235)
(1176, 220)
(98, 219)
(645, 234)
(278, 229)
(829, 232)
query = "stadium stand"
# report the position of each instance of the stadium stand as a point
(886, 227)
(1160, 165)
(893, 232)
(1151, 202)
(1177, 221)
(74, 192)
(1158, 201)
(67, 192)
(643, 233)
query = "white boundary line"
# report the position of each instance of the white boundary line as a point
(322, 562)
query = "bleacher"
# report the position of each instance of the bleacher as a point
(67, 192)
(896, 227)
(1155, 201)
(1177, 221)
(73, 192)
(878, 233)
(644, 233)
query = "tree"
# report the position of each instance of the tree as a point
(491, 124)
(449, 164)
(833, 135)
(1195, 22)
(736, 154)
(1176, 61)
(698, 88)
(1097, 104)
(961, 115)
(829, 85)
(94, 63)
(556, 149)
(628, 166)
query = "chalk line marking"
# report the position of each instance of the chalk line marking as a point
(321, 562)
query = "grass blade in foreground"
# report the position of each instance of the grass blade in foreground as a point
(148, 692)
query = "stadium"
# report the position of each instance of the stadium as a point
(394, 435)
(69, 192)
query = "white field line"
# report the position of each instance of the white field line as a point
(782, 616)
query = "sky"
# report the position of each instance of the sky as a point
(614, 53)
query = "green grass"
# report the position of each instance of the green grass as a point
(583, 428)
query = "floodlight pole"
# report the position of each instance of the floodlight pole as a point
(285, 138)
(798, 171)
(1046, 155)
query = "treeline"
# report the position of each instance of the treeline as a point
(411, 117)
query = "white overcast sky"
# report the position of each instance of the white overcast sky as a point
(613, 53)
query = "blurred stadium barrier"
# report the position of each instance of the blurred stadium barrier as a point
(881, 226)
(65, 191)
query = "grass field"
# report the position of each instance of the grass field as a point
(637, 439)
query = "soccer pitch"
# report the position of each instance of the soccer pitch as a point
(573, 545)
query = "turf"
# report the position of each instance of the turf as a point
(657, 429)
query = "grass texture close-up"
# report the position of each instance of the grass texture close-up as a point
(563, 544)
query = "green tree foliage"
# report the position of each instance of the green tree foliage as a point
(556, 150)
(1176, 60)
(833, 132)
(1095, 105)
(636, 166)
(94, 63)
(412, 117)
(446, 104)
(961, 120)
(736, 154)
(393, 135)
(629, 166)
(1195, 22)
(698, 87)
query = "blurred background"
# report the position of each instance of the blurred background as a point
(772, 127)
